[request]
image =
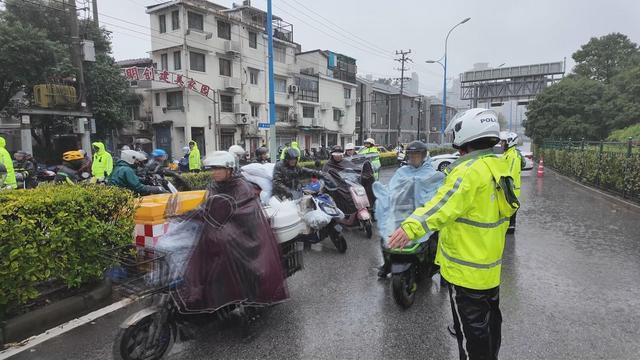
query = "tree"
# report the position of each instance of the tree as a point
(604, 57)
(107, 93)
(572, 108)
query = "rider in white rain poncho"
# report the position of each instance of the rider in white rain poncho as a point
(410, 187)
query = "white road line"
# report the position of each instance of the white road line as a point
(61, 329)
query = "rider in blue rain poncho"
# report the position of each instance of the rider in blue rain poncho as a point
(410, 187)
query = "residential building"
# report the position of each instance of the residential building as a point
(325, 93)
(224, 51)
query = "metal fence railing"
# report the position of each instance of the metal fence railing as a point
(610, 166)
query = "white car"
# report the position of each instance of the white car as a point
(440, 162)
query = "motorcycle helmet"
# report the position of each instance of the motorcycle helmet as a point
(261, 151)
(159, 153)
(237, 150)
(474, 124)
(291, 154)
(72, 155)
(220, 159)
(370, 141)
(416, 146)
(337, 150)
(131, 157)
(510, 138)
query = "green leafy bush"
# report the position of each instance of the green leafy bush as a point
(59, 232)
(612, 171)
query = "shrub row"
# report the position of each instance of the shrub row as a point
(612, 171)
(59, 232)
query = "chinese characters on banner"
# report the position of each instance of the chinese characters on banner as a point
(150, 73)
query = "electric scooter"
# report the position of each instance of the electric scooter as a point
(330, 227)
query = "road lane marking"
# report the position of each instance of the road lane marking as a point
(61, 329)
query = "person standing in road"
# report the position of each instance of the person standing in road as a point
(5, 159)
(195, 162)
(471, 213)
(516, 163)
(370, 148)
(102, 164)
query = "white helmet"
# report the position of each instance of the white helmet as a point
(222, 159)
(237, 150)
(186, 149)
(510, 137)
(370, 141)
(349, 146)
(132, 156)
(474, 124)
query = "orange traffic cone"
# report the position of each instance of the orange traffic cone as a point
(541, 168)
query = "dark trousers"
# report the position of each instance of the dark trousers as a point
(477, 321)
(512, 221)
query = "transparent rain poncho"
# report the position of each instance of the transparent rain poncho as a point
(408, 189)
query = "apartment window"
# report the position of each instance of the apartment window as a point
(177, 60)
(195, 21)
(175, 20)
(347, 93)
(225, 66)
(282, 113)
(253, 76)
(337, 114)
(163, 23)
(157, 99)
(164, 65)
(253, 40)
(224, 30)
(255, 110)
(307, 88)
(374, 118)
(281, 85)
(174, 100)
(196, 61)
(226, 103)
(280, 54)
(308, 112)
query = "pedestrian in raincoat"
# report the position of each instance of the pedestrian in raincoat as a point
(294, 145)
(5, 159)
(102, 164)
(195, 162)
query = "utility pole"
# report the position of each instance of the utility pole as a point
(419, 116)
(77, 59)
(403, 61)
(94, 7)
(362, 97)
(273, 144)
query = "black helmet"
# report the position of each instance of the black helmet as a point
(291, 154)
(261, 151)
(416, 146)
(337, 149)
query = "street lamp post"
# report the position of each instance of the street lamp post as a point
(444, 86)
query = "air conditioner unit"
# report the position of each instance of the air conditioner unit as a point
(349, 102)
(293, 89)
(232, 83)
(241, 108)
(325, 106)
(293, 117)
(242, 119)
(232, 47)
(140, 125)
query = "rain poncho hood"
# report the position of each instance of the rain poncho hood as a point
(102, 164)
(408, 189)
(236, 259)
(5, 159)
(195, 162)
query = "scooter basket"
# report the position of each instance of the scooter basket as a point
(137, 270)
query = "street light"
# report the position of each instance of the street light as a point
(444, 86)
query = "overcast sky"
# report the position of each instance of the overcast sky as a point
(514, 32)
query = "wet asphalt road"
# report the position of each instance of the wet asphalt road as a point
(570, 290)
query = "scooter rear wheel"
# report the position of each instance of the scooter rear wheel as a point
(403, 286)
(130, 344)
(339, 242)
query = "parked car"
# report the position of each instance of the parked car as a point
(440, 162)
(528, 158)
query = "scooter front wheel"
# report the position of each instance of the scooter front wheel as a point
(403, 286)
(134, 343)
(339, 242)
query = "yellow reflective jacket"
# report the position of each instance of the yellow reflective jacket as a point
(515, 162)
(5, 159)
(465, 211)
(294, 145)
(375, 162)
(102, 164)
(195, 162)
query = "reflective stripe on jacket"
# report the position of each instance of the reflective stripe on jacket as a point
(102, 164)
(514, 161)
(465, 211)
(5, 159)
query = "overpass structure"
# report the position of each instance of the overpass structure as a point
(520, 83)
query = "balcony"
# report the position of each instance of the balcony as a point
(231, 83)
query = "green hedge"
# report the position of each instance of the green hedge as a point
(612, 171)
(59, 232)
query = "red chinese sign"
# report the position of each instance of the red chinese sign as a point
(150, 73)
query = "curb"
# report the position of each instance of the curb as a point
(604, 195)
(37, 321)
